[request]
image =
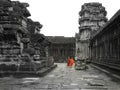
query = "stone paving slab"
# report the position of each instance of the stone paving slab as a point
(95, 89)
(63, 78)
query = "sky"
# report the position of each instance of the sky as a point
(60, 17)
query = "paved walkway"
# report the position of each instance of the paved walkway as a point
(63, 78)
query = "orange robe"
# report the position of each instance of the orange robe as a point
(71, 62)
(68, 62)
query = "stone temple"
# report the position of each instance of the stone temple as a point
(92, 17)
(22, 47)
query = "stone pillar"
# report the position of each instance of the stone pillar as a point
(92, 17)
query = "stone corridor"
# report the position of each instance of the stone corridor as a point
(63, 78)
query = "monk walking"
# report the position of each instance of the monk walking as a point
(68, 61)
(71, 62)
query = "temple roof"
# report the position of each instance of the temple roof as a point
(37, 37)
(114, 17)
(61, 39)
(93, 4)
(92, 8)
(5, 3)
(21, 8)
(93, 19)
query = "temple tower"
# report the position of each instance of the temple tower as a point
(13, 27)
(92, 17)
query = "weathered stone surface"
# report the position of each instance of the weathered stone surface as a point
(93, 17)
(104, 46)
(62, 78)
(20, 38)
(61, 47)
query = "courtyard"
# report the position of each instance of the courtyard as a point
(63, 78)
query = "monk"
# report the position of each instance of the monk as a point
(68, 61)
(71, 62)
